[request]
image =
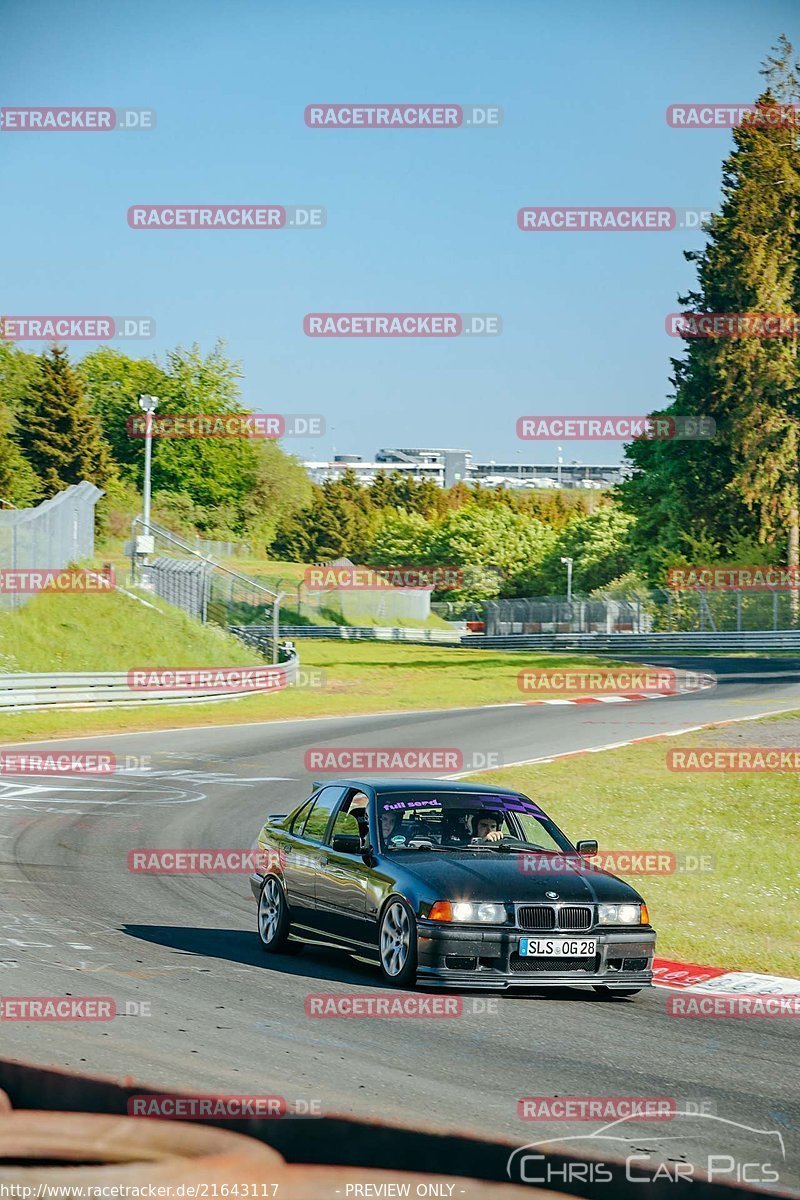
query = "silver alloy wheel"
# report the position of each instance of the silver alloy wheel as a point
(269, 910)
(395, 939)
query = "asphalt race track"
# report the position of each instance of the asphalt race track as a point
(226, 1018)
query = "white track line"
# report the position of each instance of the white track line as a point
(650, 737)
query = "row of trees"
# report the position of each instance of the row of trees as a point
(717, 500)
(514, 542)
(60, 423)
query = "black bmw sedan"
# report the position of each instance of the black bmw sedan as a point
(448, 884)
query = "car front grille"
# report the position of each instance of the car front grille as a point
(575, 916)
(546, 916)
(552, 966)
(539, 916)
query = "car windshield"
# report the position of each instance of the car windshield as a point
(457, 821)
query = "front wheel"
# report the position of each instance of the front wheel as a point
(273, 917)
(609, 993)
(397, 941)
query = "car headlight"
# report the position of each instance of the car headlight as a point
(463, 912)
(621, 914)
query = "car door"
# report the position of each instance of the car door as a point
(342, 883)
(306, 852)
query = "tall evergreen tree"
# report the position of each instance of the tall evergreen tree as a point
(744, 483)
(58, 434)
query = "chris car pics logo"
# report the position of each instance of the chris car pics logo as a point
(716, 1151)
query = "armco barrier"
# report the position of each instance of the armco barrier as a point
(95, 690)
(345, 1142)
(635, 643)
(374, 633)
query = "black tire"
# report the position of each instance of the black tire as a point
(273, 917)
(397, 944)
(609, 993)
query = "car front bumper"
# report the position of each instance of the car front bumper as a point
(489, 958)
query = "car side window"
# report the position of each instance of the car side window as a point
(317, 820)
(296, 823)
(345, 823)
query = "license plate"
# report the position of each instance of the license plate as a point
(557, 947)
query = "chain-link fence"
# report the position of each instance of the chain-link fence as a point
(221, 549)
(205, 589)
(557, 614)
(56, 533)
(655, 612)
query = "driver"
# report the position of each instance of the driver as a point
(486, 826)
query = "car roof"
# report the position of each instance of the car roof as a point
(395, 784)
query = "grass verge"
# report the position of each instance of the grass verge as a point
(115, 633)
(742, 914)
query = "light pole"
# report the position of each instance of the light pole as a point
(568, 562)
(560, 461)
(148, 404)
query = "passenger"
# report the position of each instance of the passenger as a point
(391, 820)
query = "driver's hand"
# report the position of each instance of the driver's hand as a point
(495, 836)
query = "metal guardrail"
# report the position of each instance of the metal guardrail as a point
(632, 643)
(592, 643)
(374, 633)
(86, 689)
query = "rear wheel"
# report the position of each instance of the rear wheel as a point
(612, 993)
(397, 942)
(273, 917)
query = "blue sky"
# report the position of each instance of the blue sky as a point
(418, 221)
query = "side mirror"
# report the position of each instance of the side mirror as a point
(346, 843)
(586, 848)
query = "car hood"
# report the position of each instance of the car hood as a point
(497, 875)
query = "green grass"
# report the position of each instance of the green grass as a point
(110, 632)
(113, 632)
(743, 914)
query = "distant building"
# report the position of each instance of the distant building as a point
(446, 467)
